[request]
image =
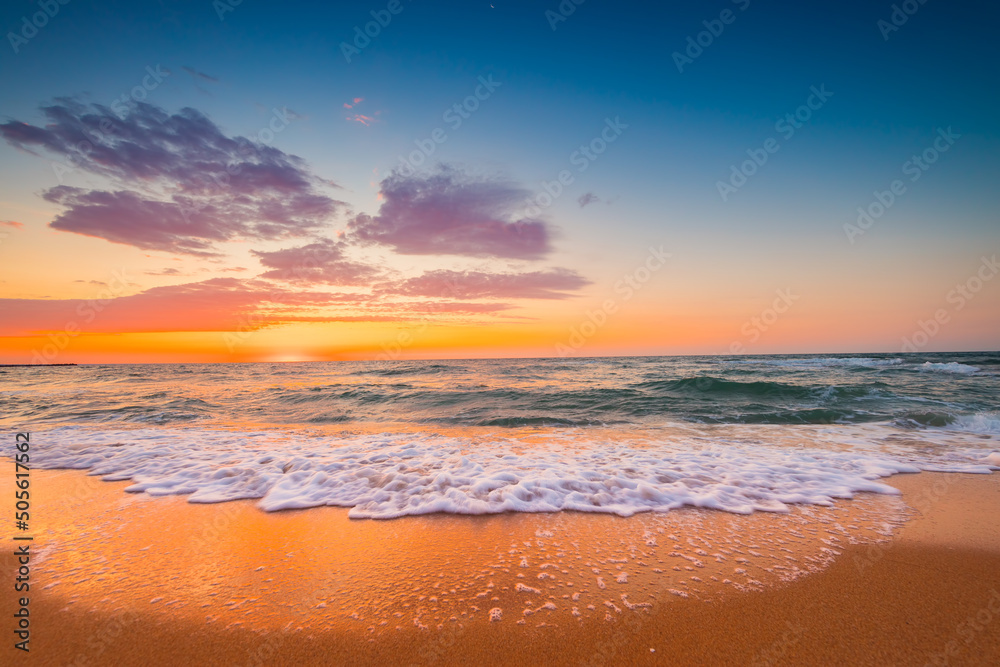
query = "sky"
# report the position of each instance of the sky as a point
(256, 181)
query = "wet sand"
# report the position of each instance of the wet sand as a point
(126, 579)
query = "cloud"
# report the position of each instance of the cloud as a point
(200, 75)
(182, 185)
(553, 284)
(364, 119)
(448, 212)
(408, 312)
(220, 304)
(428, 307)
(11, 223)
(170, 271)
(126, 217)
(587, 198)
(361, 118)
(320, 262)
(191, 225)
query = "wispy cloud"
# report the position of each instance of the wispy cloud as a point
(587, 198)
(200, 75)
(361, 118)
(553, 284)
(365, 119)
(220, 304)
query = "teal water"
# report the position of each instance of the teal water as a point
(954, 390)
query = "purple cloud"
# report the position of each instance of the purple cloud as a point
(182, 185)
(323, 261)
(554, 284)
(449, 213)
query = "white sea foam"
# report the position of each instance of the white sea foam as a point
(987, 423)
(867, 362)
(387, 476)
(950, 367)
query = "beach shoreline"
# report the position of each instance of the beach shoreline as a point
(930, 594)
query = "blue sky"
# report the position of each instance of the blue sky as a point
(892, 91)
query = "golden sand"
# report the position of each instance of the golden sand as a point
(119, 578)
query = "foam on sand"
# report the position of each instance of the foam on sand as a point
(388, 476)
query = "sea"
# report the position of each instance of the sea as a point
(620, 435)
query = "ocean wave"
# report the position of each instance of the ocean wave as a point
(986, 423)
(867, 362)
(795, 416)
(393, 368)
(511, 394)
(910, 420)
(389, 476)
(950, 367)
(516, 422)
(761, 389)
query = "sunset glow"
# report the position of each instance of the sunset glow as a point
(188, 205)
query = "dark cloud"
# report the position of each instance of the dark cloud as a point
(554, 284)
(322, 261)
(182, 184)
(450, 213)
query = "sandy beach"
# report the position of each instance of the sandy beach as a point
(122, 578)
